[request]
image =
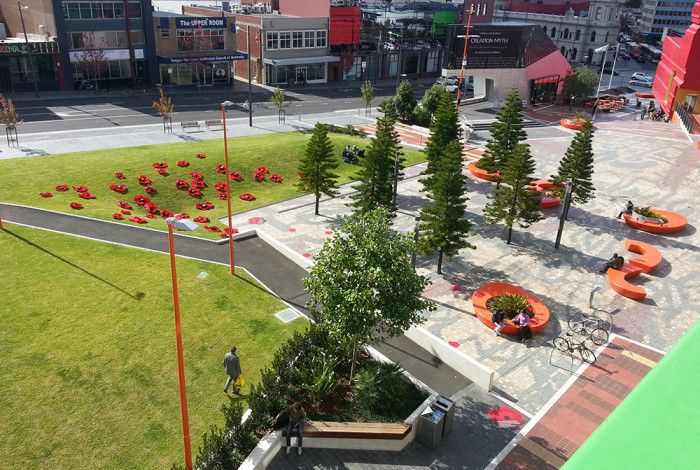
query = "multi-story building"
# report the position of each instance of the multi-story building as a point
(198, 51)
(657, 15)
(577, 29)
(121, 29)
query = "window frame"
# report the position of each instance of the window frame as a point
(272, 38)
(321, 39)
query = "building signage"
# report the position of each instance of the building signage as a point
(491, 47)
(211, 58)
(215, 22)
(34, 48)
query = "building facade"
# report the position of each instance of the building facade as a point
(577, 33)
(123, 32)
(658, 15)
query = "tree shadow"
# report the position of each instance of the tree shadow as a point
(136, 296)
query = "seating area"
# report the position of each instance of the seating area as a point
(338, 430)
(190, 125)
(218, 123)
(575, 124)
(649, 260)
(482, 174)
(547, 201)
(676, 222)
(540, 312)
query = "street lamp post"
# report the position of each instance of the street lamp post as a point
(170, 74)
(464, 56)
(182, 224)
(224, 105)
(26, 41)
(398, 67)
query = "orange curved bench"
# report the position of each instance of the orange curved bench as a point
(483, 174)
(547, 201)
(676, 223)
(651, 257)
(640, 94)
(618, 281)
(575, 124)
(540, 312)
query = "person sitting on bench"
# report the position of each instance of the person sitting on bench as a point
(628, 210)
(616, 262)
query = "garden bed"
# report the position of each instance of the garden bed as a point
(538, 311)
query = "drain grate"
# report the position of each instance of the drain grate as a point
(287, 315)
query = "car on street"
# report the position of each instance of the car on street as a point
(450, 83)
(646, 83)
(641, 76)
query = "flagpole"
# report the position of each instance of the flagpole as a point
(612, 72)
(602, 68)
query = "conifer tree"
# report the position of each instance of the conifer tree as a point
(513, 201)
(506, 133)
(376, 173)
(405, 101)
(443, 226)
(315, 167)
(445, 129)
(577, 165)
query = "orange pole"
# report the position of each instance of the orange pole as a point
(464, 55)
(228, 195)
(180, 357)
(0, 223)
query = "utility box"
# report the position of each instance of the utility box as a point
(447, 406)
(430, 431)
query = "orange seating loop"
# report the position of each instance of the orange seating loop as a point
(540, 312)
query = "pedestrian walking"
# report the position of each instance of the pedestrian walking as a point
(232, 364)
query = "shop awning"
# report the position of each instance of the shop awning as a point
(302, 60)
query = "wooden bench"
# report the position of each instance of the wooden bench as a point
(336, 430)
(540, 312)
(214, 123)
(618, 281)
(651, 257)
(190, 125)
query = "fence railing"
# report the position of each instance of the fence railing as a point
(685, 117)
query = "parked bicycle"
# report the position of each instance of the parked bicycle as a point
(569, 345)
(590, 327)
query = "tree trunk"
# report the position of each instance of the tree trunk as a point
(354, 358)
(318, 197)
(439, 270)
(510, 234)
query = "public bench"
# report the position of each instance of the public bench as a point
(337, 430)
(190, 125)
(618, 279)
(676, 222)
(539, 315)
(214, 123)
(651, 257)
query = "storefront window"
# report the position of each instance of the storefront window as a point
(432, 62)
(393, 65)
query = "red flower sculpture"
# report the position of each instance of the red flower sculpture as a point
(247, 197)
(150, 207)
(201, 155)
(80, 188)
(194, 192)
(202, 219)
(223, 196)
(144, 180)
(210, 228)
(150, 189)
(235, 176)
(183, 163)
(119, 175)
(184, 215)
(275, 178)
(151, 216)
(46, 194)
(124, 205)
(140, 199)
(117, 216)
(181, 184)
(62, 188)
(120, 188)
(262, 169)
(199, 184)
(220, 186)
(259, 176)
(165, 214)
(196, 175)
(204, 206)
(125, 212)
(76, 205)
(86, 195)
(160, 165)
(138, 220)
(162, 171)
(220, 168)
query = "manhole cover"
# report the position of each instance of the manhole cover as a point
(287, 315)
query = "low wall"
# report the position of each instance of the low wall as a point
(453, 357)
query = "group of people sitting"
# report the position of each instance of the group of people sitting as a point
(352, 155)
(522, 321)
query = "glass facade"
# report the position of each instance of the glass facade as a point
(99, 10)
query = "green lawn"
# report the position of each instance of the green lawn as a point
(22, 179)
(88, 376)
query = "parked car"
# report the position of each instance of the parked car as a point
(450, 83)
(642, 82)
(641, 76)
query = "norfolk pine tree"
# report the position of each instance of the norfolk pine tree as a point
(513, 201)
(506, 133)
(445, 129)
(443, 227)
(577, 165)
(315, 167)
(365, 284)
(376, 173)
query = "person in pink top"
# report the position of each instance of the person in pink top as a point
(523, 322)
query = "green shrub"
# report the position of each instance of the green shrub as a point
(511, 304)
(320, 381)
(421, 116)
(345, 130)
(648, 212)
(382, 391)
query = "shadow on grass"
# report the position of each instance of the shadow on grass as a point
(136, 296)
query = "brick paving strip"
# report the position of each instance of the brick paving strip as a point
(583, 406)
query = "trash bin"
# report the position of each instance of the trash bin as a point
(447, 406)
(431, 426)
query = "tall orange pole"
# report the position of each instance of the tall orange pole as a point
(180, 357)
(464, 55)
(228, 195)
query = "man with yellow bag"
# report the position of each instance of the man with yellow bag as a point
(232, 364)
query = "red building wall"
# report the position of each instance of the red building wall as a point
(345, 25)
(305, 8)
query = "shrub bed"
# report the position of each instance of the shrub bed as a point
(511, 304)
(648, 212)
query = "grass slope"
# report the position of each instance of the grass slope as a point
(88, 377)
(21, 180)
